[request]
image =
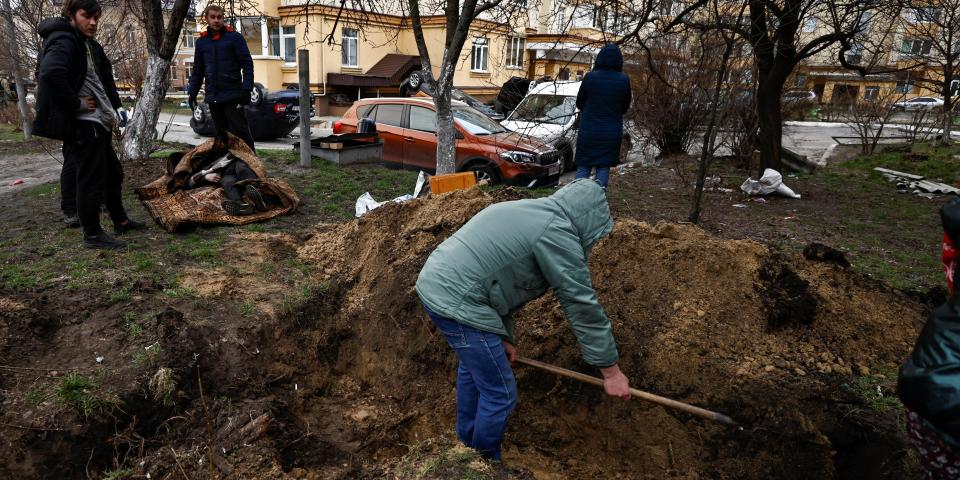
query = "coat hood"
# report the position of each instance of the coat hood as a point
(54, 24)
(609, 58)
(585, 203)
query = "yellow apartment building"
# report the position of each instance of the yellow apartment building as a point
(359, 55)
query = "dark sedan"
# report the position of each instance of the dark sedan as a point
(271, 115)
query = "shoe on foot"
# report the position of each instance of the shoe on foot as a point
(237, 209)
(71, 221)
(253, 196)
(128, 226)
(102, 241)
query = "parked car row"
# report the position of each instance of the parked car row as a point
(408, 127)
(270, 114)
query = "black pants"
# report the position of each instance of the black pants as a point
(91, 176)
(236, 171)
(232, 118)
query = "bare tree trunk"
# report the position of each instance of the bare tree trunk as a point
(770, 122)
(161, 46)
(17, 74)
(141, 130)
(446, 133)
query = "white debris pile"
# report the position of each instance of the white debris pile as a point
(770, 182)
(916, 184)
(365, 202)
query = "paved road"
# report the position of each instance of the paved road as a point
(176, 128)
(32, 169)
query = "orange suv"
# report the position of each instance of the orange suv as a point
(408, 127)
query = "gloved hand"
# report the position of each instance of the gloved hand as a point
(192, 102)
(244, 98)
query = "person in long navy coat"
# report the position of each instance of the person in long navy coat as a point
(603, 98)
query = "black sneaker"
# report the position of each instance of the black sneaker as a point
(253, 196)
(102, 241)
(71, 221)
(129, 226)
(237, 209)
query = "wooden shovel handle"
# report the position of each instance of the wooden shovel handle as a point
(666, 402)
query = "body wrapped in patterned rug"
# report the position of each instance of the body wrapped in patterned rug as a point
(174, 200)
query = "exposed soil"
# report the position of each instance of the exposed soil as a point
(341, 383)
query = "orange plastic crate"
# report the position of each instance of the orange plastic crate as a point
(452, 181)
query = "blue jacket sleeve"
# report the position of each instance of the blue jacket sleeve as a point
(246, 64)
(199, 70)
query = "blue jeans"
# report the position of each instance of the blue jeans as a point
(603, 174)
(486, 387)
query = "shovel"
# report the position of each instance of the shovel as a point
(666, 402)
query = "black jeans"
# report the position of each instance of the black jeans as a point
(236, 171)
(91, 176)
(232, 118)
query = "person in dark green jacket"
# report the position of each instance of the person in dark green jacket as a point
(505, 256)
(929, 381)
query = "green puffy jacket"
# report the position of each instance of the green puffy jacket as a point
(512, 252)
(929, 381)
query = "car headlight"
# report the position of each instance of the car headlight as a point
(519, 157)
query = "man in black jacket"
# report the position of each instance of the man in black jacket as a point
(220, 57)
(76, 102)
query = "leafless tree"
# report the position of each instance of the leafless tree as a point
(161, 41)
(932, 36)
(773, 29)
(869, 118)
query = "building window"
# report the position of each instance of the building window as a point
(350, 55)
(188, 37)
(905, 86)
(584, 16)
(914, 46)
(923, 14)
(187, 70)
(800, 80)
(478, 57)
(283, 43)
(515, 51)
(564, 75)
(173, 72)
(871, 93)
(251, 29)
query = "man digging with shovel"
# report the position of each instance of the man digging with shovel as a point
(507, 255)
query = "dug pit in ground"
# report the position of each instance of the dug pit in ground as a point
(344, 383)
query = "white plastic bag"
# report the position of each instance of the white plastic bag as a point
(771, 181)
(365, 203)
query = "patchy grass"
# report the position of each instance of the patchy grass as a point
(875, 393)
(118, 474)
(443, 458)
(332, 191)
(79, 393)
(936, 163)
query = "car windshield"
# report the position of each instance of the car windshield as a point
(475, 122)
(555, 109)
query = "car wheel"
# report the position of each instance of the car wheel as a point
(415, 79)
(485, 171)
(198, 114)
(256, 96)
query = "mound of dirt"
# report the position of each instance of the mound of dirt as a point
(344, 376)
(729, 325)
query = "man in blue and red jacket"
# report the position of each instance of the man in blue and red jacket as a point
(222, 61)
